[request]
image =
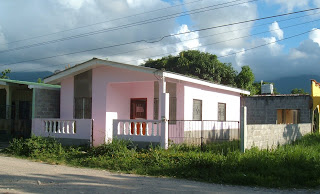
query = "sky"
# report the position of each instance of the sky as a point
(37, 35)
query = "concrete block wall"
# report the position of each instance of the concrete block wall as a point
(271, 135)
(47, 103)
(263, 109)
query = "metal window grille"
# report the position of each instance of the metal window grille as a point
(221, 112)
(197, 110)
(155, 108)
(82, 108)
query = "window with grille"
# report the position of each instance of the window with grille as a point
(82, 108)
(197, 110)
(83, 95)
(221, 111)
(172, 109)
(156, 108)
(287, 116)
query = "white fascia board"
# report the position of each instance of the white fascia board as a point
(204, 83)
(42, 87)
(55, 79)
(127, 66)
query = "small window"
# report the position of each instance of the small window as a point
(172, 109)
(155, 108)
(82, 108)
(197, 110)
(221, 112)
(287, 116)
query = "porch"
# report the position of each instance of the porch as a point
(15, 110)
(189, 132)
(68, 132)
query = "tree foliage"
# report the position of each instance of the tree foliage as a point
(196, 64)
(207, 66)
(245, 78)
(4, 74)
(298, 91)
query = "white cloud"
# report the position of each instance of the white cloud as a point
(188, 41)
(274, 47)
(3, 40)
(290, 5)
(223, 16)
(296, 54)
(73, 4)
(275, 30)
(315, 35)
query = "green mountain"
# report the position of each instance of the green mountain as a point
(286, 84)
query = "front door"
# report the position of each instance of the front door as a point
(138, 110)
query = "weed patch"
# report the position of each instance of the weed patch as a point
(295, 165)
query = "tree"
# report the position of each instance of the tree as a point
(39, 80)
(298, 91)
(245, 78)
(196, 64)
(4, 74)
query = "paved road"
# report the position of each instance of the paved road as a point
(23, 176)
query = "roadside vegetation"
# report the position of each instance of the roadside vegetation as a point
(291, 166)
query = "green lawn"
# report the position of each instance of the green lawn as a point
(296, 165)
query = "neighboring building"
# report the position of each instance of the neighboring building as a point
(274, 120)
(315, 94)
(20, 101)
(278, 109)
(133, 102)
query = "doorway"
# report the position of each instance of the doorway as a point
(138, 111)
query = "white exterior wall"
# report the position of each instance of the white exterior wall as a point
(210, 98)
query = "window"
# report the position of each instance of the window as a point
(83, 95)
(171, 88)
(172, 109)
(155, 108)
(82, 108)
(287, 116)
(221, 111)
(197, 110)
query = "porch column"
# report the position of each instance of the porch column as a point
(164, 112)
(8, 101)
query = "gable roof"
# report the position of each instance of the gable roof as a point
(29, 84)
(95, 62)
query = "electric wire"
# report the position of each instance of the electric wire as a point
(200, 10)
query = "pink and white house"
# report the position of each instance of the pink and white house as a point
(101, 100)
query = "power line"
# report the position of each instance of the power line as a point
(196, 11)
(147, 48)
(214, 27)
(218, 42)
(107, 21)
(296, 35)
(223, 41)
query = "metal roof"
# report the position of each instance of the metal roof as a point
(29, 83)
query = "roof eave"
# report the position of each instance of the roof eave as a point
(58, 77)
(204, 83)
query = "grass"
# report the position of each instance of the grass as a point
(291, 166)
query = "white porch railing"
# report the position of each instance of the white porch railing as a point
(138, 130)
(60, 128)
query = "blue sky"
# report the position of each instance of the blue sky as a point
(54, 29)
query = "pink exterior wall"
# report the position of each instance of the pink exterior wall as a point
(210, 98)
(112, 89)
(66, 98)
(119, 95)
(103, 113)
